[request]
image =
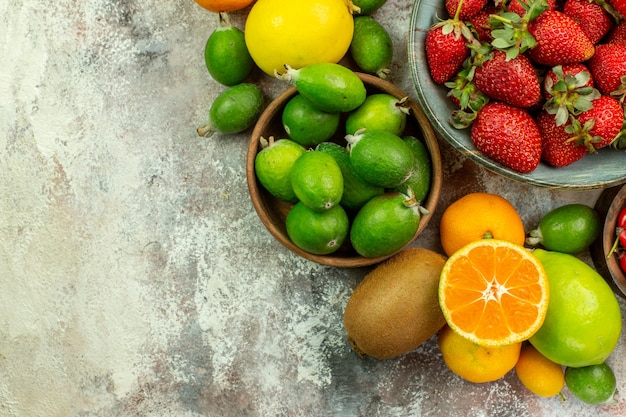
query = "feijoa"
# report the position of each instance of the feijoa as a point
(420, 179)
(317, 180)
(356, 192)
(380, 158)
(367, 7)
(330, 87)
(379, 111)
(570, 228)
(273, 164)
(385, 224)
(306, 124)
(234, 110)
(226, 55)
(317, 232)
(371, 46)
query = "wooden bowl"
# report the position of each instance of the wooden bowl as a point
(273, 211)
(609, 204)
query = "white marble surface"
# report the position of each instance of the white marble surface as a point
(135, 276)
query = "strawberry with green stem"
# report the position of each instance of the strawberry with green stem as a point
(608, 68)
(446, 47)
(558, 147)
(599, 126)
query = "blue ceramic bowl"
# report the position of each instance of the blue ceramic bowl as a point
(604, 169)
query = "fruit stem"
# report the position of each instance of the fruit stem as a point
(534, 238)
(205, 129)
(618, 231)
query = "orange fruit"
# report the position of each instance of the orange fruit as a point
(224, 5)
(494, 292)
(478, 216)
(473, 362)
(539, 374)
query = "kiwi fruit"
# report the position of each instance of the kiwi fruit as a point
(395, 308)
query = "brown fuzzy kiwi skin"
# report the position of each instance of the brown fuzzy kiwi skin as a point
(395, 308)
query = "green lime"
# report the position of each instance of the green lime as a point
(356, 192)
(368, 6)
(234, 110)
(420, 179)
(330, 87)
(307, 125)
(379, 111)
(380, 157)
(226, 55)
(273, 164)
(317, 232)
(583, 322)
(385, 224)
(317, 180)
(571, 229)
(594, 384)
(371, 46)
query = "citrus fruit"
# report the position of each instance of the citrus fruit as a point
(317, 180)
(329, 87)
(380, 158)
(473, 362)
(539, 374)
(583, 322)
(371, 46)
(570, 228)
(394, 308)
(273, 164)
(224, 5)
(385, 224)
(593, 384)
(477, 216)
(306, 124)
(298, 33)
(421, 177)
(380, 111)
(317, 232)
(226, 55)
(494, 292)
(234, 110)
(356, 192)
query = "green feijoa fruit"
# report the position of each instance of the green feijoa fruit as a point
(234, 110)
(380, 111)
(320, 233)
(306, 124)
(420, 180)
(226, 55)
(570, 228)
(371, 46)
(380, 158)
(317, 180)
(273, 164)
(368, 7)
(330, 87)
(594, 384)
(385, 224)
(356, 192)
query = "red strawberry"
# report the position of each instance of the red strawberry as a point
(560, 40)
(568, 89)
(479, 21)
(618, 34)
(592, 18)
(619, 5)
(556, 147)
(512, 81)
(608, 68)
(468, 9)
(602, 123)
(446, 48)
(508, 135)
(517, 6)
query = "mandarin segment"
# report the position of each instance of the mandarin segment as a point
(494, 292)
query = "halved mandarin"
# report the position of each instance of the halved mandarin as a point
(494, 292)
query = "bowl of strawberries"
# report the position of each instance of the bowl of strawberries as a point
(531, 89)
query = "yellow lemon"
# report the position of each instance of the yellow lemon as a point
(298, 33)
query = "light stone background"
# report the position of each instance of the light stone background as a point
(135, 276)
